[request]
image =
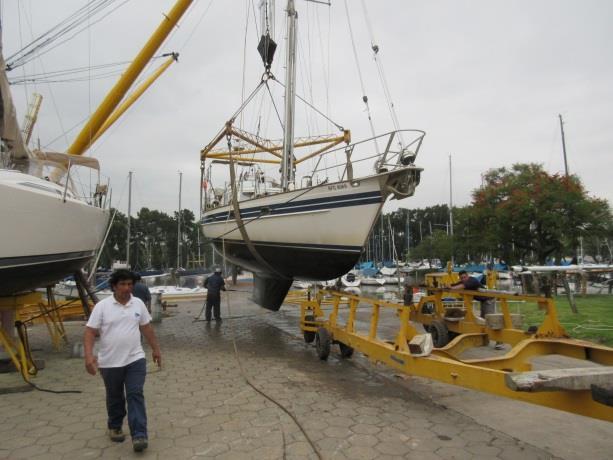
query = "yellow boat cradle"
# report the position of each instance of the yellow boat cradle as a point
(21, 309)
(581, 390)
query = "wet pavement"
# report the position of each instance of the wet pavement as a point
(208, 401)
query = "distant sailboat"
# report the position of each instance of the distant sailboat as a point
(308, 229)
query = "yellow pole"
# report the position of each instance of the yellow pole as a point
(110, 102)
(125, 105)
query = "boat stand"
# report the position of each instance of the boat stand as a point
(17, 350)
(585, 391)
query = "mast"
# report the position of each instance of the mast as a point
(179, 223)
(287, 163)
(563, 145)
(129, 218)
(451, 209)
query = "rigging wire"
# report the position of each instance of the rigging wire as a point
(339, 127)
(248, 5)
(65, 72)
(50, 39)
(386, 91)
(357, 64)
(51, 93)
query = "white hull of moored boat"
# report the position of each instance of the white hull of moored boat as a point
(44, 237)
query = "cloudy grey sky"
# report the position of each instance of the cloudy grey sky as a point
(486, 79)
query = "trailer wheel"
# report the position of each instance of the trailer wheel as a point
(440, 333)
(346, 350)
(309, 336)
(322, 343)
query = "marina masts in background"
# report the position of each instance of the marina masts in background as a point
(129, 218)
(179, 223)
(563, 145)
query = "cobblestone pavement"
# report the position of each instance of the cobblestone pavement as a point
(200, 406)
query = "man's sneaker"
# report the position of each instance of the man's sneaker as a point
(116, 435)
(139, 444)
(499, 346)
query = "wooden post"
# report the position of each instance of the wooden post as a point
(569, 294)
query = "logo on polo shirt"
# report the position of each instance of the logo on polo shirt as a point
(137, 315)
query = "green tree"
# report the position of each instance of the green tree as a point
(525, 213)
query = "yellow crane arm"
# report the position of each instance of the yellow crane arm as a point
(117, 93)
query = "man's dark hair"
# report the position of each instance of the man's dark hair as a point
(462, 272)
(121, 275)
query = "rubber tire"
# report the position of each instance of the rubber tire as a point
(322, 343)
(309, 336)
(440, 333)
(346, 350)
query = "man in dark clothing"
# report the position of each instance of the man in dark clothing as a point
(407, 296)
(141, 291)
(488, 304)
(214, 284)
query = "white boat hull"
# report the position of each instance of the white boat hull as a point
(310, 234)
(43, 238)
(373, 281)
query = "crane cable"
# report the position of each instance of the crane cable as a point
(357, 64)
(262, 393)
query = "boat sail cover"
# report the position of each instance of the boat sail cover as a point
(15, 154)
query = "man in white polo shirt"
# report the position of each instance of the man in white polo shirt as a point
(119, 320)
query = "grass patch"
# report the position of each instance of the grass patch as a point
(594, 322)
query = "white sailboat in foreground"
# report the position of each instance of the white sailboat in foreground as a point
(312, 228)
(48, 231)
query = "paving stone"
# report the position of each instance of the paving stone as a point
(27, 451)
(484, 450)
(521, 453)
(361, 452)
(393, 447)
(68, 446)
(337, 432)
(362, 428)
(454, 453)
(363, 440)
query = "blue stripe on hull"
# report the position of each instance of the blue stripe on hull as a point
(308, 246)
(293, 207)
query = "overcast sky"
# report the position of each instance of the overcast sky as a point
(485, 79)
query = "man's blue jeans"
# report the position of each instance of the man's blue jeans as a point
(132, 378)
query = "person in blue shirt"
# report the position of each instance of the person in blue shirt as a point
(214, 285)
(488, 304)
(141, 291)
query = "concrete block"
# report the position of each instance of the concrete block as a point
(581, 378)
(421, 345)
(496, 321)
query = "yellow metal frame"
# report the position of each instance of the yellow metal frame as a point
(489, 374)
(31, 308)
(16, 349)
(266, 146)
